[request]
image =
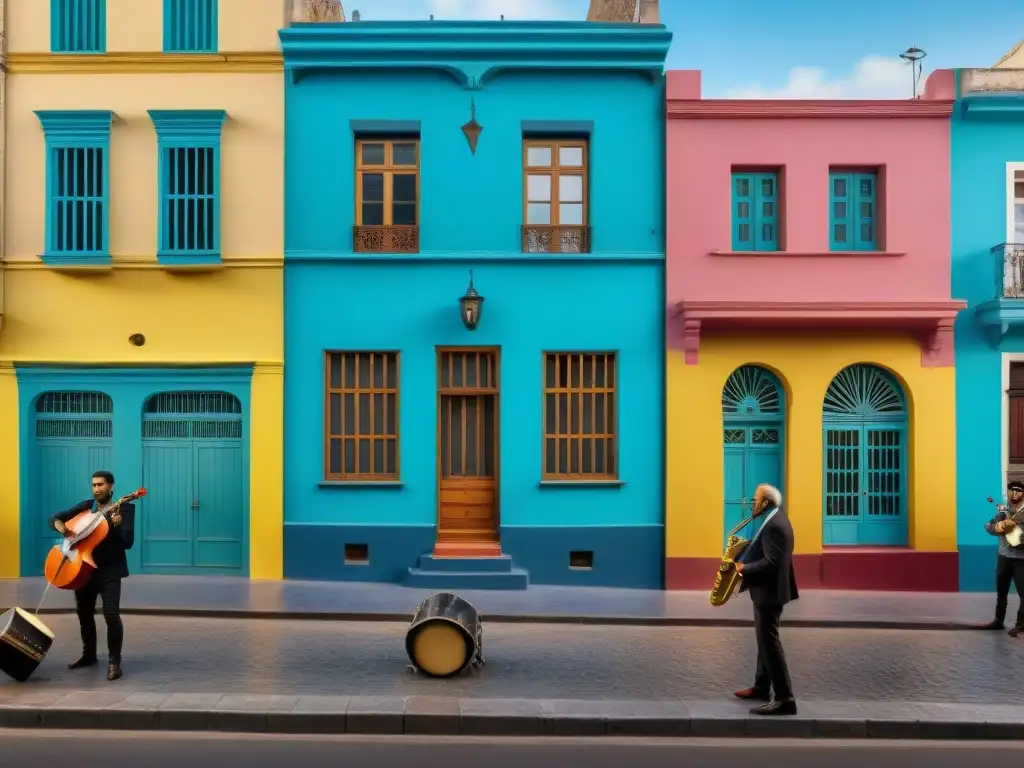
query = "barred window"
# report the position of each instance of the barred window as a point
(362, 416)
(580, 441)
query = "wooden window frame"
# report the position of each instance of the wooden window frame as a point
(576, 439)
(354, 391)
(853, 199)
(388, 169)
(556, 171)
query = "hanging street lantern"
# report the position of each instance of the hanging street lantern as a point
(471, 305)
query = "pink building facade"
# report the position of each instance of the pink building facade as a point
(810, 335)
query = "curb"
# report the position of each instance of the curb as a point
(445, 716)
(498, 618)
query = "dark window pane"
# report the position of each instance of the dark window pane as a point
(373, 154)
(404, 154)
(403, 214)
(373, 214)
(373, 187)
(403, 188)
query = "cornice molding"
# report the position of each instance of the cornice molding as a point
(141, 63)
(756, 312)
(171, 124)
(783, 109)
(471, 52)
(998, 106)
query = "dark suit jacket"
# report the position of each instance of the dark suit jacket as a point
(768, 564)
(110, 556)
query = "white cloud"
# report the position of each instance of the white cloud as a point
(513, 10)
(874, 77)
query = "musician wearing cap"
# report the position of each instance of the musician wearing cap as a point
(1010, 563)
(766, 571)
(111, 567)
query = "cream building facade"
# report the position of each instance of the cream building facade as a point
(142, 254)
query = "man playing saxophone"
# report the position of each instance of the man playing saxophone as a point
(766, 570)
(1010, 561)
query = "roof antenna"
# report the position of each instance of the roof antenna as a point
(431, 17)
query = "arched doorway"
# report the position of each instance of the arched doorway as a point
(864, 420)
(73, 437)
(753, 416)
(194, 470)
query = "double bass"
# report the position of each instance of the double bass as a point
(70, 564)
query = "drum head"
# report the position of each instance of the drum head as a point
(440, 648)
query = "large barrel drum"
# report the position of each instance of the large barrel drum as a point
(445, 636)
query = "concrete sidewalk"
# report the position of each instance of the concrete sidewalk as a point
(430, 715)
(351, 601)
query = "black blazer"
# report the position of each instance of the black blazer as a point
(768, 564)
(110, 556)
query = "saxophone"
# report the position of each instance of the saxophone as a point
(727, 578)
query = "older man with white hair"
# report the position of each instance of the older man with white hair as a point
(766, 567)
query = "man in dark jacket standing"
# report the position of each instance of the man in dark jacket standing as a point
(1010, 561)
(111, 566)
(766, 568)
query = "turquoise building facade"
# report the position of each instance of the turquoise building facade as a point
(474, 303)
(987, 176)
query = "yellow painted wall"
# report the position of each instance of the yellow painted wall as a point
(806, 367)
(137, 25)
(234, 314)
(252, 155)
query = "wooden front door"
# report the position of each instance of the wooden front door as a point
(467, 388)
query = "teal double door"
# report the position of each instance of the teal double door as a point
(194, 471)
(753, 455)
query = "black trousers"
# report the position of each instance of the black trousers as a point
(85, 606)
(1009, 569)
(772, 671)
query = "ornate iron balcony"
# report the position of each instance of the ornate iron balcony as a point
(386, 239)
(543, 238)
(1009, 270)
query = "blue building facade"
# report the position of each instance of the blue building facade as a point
(987, 271)
(514, 436)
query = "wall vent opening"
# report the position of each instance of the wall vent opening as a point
(581, 560)
(357, 554)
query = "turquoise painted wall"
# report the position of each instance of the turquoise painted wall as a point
(981, 148)
(471, 214)
(129, 389)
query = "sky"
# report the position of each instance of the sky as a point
(803, 49)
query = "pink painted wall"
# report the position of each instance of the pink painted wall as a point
(913, 157)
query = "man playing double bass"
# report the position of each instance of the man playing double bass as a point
(767, 573)
(111, 566)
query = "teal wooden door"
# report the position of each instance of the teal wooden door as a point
(73, 439)
(753, 418)
(194, 470)
(865, 460)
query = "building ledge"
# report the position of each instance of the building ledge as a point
(930, 321)
(1000, 316)
(786, 109)
(811, 254)
(473, 51)
(992, 106)
(61, 262)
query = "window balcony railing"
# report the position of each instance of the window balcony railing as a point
(545, 238)
(386, 239)
(1009, 270)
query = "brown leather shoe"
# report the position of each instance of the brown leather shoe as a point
(753, 694)
(114, 672)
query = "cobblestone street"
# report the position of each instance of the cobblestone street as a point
(536, 661)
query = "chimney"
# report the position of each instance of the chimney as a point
(316, 10)
(356, 16)
(612, 10)
(635, 11)
(648, 12)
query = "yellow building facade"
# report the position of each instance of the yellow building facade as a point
(780, 386)
(142, 317)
